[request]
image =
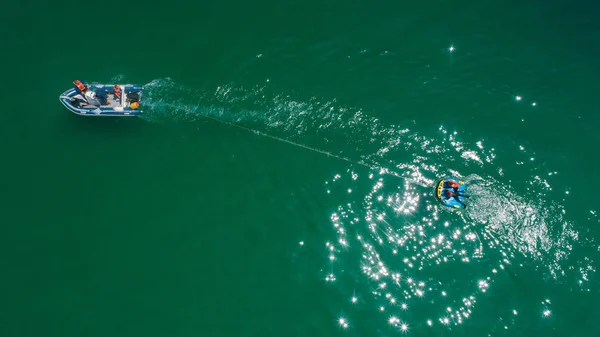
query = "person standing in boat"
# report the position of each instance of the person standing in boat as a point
(81, 88)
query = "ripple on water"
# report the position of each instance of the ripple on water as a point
(394, 249)
(424, 266)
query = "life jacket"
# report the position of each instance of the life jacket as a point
(79, 86)
(117, 90)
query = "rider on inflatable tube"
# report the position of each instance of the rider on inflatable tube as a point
(451, 193)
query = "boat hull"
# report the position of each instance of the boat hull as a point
(114, 107)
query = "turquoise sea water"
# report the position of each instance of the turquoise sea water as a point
(280, 181)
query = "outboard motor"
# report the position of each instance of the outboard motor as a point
(133, 97)
(132, 94)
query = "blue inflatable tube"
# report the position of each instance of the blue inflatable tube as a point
(457, 198)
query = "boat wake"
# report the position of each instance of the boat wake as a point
(391, 236)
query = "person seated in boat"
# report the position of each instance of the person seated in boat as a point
(117, 92)
(78, 100)
(134, 105)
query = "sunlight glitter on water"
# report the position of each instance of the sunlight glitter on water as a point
(391, 257)
(391, 231)
(398, 251)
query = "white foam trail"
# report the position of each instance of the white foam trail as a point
(364, 140)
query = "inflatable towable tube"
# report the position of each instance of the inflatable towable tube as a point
(458, 192)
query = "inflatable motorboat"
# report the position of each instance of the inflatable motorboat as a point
(103, 99)
(451, 192)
